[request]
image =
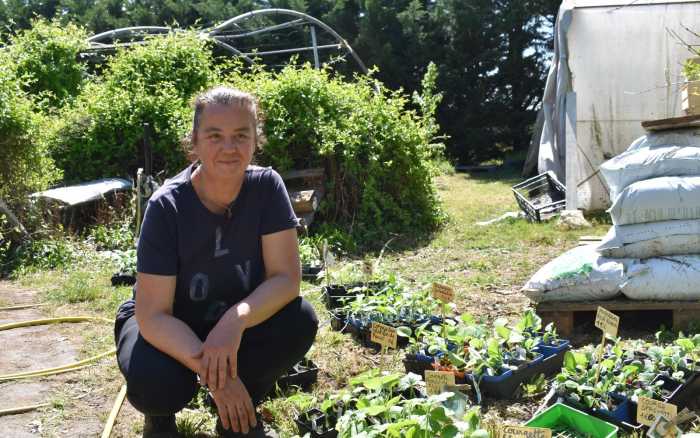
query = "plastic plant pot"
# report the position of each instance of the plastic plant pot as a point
(669, 388)
(123, 279)
(338, 322)
(418, 363)
(562, 417)
(625, 410)
(303, 374)
(624, 417)
(548, 350)
(310, 272)
(336, 295)
(687, 392)
(314, 423)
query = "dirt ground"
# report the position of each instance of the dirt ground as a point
(79, 405)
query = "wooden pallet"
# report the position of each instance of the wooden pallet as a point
(587, 240)
(683, 122)
(562, 313)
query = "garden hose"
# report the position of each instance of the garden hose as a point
(55, 370)
(115, 411)
(22, 306)
(22, 409)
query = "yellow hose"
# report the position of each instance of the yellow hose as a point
(14, 325)
(22, 306)
(57, 370)
(115, 411)
(60, 369)
(22, 409)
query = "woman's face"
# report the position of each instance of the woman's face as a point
(225, 140)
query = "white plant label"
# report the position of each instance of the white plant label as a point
(607, 321)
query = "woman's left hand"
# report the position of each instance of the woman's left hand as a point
(219, 353)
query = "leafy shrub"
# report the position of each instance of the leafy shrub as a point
(118, 237)
(25, 166)
(45, 57)
(691, 70)
(101, 133)
(47, 253)
(374, 149)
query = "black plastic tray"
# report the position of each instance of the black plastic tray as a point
(333, 294)
(303, 374)
(310, 272)
(306, 425)
(123, 279)
(615, 417)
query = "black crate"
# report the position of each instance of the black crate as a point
(541, 196)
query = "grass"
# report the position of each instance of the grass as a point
(486, 265)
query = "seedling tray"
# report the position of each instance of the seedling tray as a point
(303, 374)
(623, 416)
(560, 416)
(123, 279)
(552, 363)
(688, 392)
(548, 350)
(334, 295)
(310, 272)
(313, 422)
(505, 386)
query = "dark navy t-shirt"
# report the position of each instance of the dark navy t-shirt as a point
(217, 258)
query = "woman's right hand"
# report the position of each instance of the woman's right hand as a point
(235, 406)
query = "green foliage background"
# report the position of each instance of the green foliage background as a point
(492, 54)
(376, 145)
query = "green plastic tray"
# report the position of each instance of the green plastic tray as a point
(559, 415)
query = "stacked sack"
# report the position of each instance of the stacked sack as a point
(655, 189)
(652, 252)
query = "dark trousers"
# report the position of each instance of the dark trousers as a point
(157, 384)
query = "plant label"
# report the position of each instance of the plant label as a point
(607, 321)
(383, 335)
(367, 268)
(648, 409)
(443, 293)
(525, 432)
(436, 380)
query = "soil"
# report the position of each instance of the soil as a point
(78, 408)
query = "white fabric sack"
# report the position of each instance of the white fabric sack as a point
(669, 278)
(652, 239)
(640, 164)
(658, 199)
(686, 137)
(578, 274)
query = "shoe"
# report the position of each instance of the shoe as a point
(261, 430)
(160, 427)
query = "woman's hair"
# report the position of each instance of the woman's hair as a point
(228, 96)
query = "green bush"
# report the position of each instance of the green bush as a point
(25, 166)
(375, 151)
(101, 133)
(45, 57)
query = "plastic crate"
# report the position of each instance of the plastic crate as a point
(560, 416)
(541, 196)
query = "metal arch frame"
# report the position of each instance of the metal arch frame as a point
(301, 19)
(222, 40)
